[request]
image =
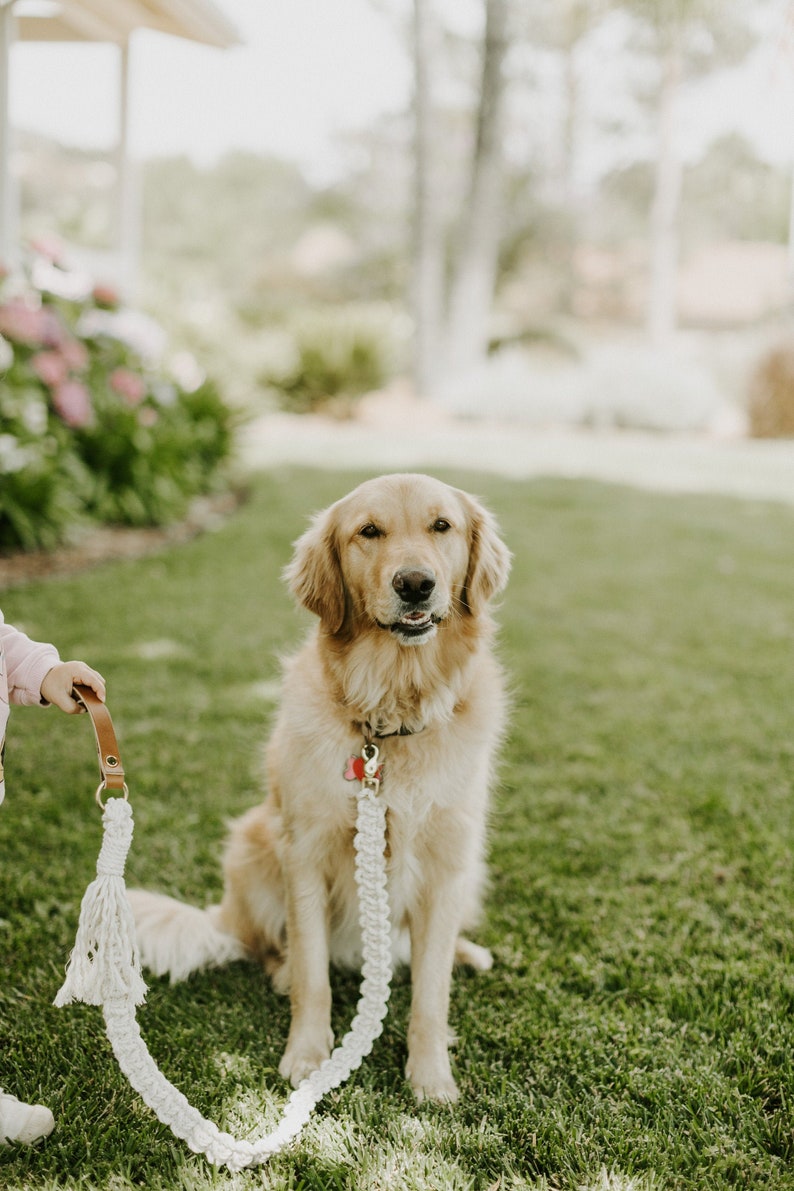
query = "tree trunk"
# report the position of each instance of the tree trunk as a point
(570, 196)
(474, 279)
(664, 212)
(428, 233)
(791, 239)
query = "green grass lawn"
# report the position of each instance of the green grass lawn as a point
(636, 1030)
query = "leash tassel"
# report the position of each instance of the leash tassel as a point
(104, 962)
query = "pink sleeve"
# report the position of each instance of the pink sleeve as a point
(26, 664)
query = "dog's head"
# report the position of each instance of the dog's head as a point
(402, 553)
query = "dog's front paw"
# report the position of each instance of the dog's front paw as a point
(304, 1055)
(432, 1080)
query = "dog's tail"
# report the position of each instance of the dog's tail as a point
(175, 939)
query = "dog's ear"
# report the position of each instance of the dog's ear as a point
(489, 559)
(314, 576)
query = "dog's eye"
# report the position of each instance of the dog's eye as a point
(441, 525)
(369, 531)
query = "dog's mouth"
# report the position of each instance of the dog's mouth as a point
(412, 625)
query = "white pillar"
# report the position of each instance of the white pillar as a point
(791, 237)
(9, 196)
(127, 207)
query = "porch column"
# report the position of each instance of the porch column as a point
(126, 215)
(9, 197)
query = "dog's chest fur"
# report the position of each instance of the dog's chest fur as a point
(434, 784)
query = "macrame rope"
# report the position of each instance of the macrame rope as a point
(105, 963)
(104, 969)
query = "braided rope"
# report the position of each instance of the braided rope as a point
(104, 969)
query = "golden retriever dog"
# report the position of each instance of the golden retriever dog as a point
(400, 574)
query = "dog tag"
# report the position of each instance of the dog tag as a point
(356, 770)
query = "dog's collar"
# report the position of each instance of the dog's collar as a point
(370, 734)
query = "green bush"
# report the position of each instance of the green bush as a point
(43, 484)
(89, 427)
(336, 357)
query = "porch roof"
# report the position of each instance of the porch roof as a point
(115, 20)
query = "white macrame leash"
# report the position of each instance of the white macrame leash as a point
(104, 969)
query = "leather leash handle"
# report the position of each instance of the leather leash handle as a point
(110, 766)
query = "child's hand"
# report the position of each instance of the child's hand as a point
(58, 682)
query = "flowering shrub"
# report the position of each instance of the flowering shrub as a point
(771, 403)
(336, 357)
(90, 425)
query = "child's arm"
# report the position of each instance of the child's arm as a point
(35, 673)
(57, 685)
(25, 663)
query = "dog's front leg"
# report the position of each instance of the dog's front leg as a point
(434, 930)
(310, 1037)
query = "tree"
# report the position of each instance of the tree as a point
(667, 191)
(452, 335)
(428, 232)
(732, 193)
(687, 38)
(452, 322)
(474, 271)
(564, 27)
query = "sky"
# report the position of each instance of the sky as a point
(310, 69)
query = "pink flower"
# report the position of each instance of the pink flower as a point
(128, 385)
(148, 417)
(105, 296)
(73, 404)
(50, 328)
(32, 326)
(50, 247)
(20, 323)
(75, 354)
(51, 367)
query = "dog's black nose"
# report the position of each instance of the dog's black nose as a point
(413, 586)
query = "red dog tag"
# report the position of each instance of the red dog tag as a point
(355, 770)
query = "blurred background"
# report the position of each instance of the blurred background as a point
(570, 213)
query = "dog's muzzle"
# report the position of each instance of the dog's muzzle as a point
(416, 620)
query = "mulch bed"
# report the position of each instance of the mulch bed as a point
(106, 543)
